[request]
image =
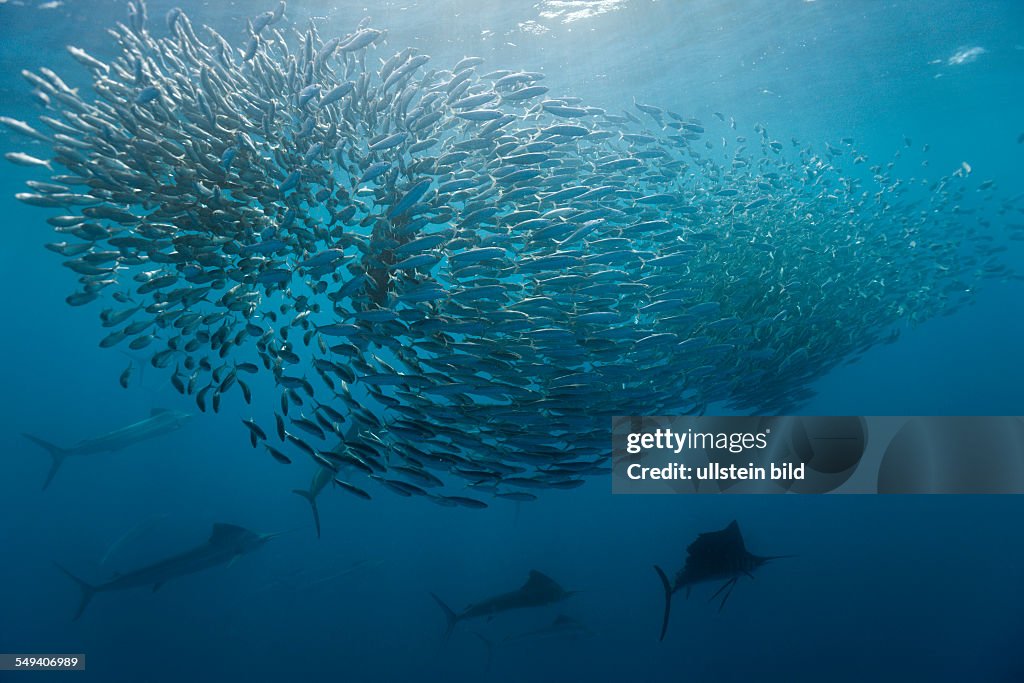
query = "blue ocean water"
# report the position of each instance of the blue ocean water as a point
(883, 588)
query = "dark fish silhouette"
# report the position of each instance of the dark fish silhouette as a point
(226, 542)
(538, 591)
(715, 555)
(160, 421)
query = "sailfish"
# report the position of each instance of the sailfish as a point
(714, 556)
(539, 590)
(226, 543)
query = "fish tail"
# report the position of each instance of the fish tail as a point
(668, 600)
(56, 452)
(451, 617)
(88, 590)
(312, 503)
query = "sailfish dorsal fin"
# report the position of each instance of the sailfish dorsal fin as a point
(538, 582)
(726, 542)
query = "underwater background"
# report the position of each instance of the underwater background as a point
(922, 588)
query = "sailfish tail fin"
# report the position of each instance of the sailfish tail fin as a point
(57, 454)
(449, 614)
(88, 590)
(668, 600)
(312, 503)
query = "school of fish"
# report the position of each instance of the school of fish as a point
(453, 276)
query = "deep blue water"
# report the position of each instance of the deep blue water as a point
(909, 588)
